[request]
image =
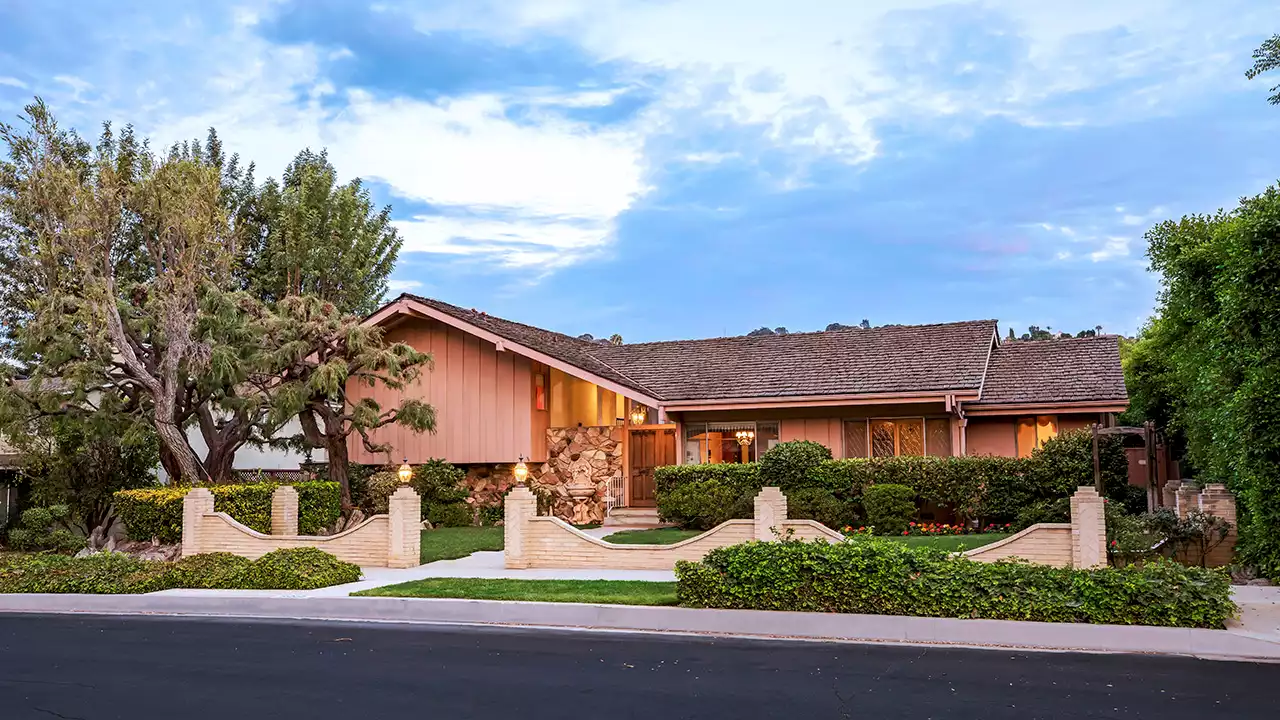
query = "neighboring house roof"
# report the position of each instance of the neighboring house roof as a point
(890, 359)
(960, 357)
(1068, 370)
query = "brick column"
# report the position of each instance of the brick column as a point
(1186, 499)
(195, 505)
(284, 511)
(1088, 529)
(1169, 495)
(770, 512)
(1216, 500)
(520, 506)
(405, 510)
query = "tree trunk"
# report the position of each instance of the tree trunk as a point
(339, 465)
(184, 458)
(219, 462)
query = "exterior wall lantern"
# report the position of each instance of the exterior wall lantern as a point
(405, 472)
(639, 414)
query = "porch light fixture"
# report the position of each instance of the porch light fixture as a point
(745, 436)
(521, 471)
(405, 472)
(639, 414)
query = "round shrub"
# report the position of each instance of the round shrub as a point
(889, 507)
(704, 505)
(820, 505)
(378, 490)
(37, 518)
(297, 569)
(450, 515)
(789, 464)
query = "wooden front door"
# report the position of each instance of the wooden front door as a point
(649, 448)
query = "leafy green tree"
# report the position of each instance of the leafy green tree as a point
(320, 238)
(320, 354)
(1265, 59)
(1211, 358)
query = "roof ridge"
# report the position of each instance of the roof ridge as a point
(809, 333)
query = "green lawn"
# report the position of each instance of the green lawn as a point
(610, 592)
(653, 536)
(950, 542)
(454, 543)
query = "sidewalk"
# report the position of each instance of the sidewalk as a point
(992, 634)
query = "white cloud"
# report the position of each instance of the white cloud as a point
(399, 286)
(1113, 246)
(12, 82)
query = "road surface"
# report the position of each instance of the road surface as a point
(139, 668)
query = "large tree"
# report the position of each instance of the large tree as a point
(125, 254)
(1210, 360)
(323, 355)
(321, 239)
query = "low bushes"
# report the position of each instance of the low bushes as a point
(889, 507)
(437, 482)
(883, 577)
(117, 573)
(704, 505)
(789, 464)
(157, 512)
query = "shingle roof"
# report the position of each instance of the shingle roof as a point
(1048, 371)
(558, 345)
(903, 358)
(895, 358)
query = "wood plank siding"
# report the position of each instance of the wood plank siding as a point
(483, 400)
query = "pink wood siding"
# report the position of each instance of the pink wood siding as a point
(820, 430)
(991, 436)
(483, 401)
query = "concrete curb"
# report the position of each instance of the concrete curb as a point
(995, 634)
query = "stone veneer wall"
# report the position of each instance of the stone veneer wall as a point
(390, 540)
(593, 452)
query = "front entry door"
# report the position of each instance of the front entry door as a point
(650, 448)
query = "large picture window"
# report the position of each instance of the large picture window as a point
(897, 437)
(721, 442)
(1034, 431)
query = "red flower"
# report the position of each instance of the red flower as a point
(904, 532)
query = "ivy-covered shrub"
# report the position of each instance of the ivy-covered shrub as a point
(40, 528)
(889, 507)
(157, 512)
(788, 465)
(378, 489)
(822, 506)
(704, 505)
(882, 577)
(439, 482)
(1057, 510)
(296, 569)
(117, 573)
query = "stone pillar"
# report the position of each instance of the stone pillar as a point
(1185, 499)
(770, 513)
(195, 505)
(1216, 500)
(405, 510)
(1169, 495)
(520, 506)
(1088, 529)
(284, 511)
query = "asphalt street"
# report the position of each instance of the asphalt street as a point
(63, 666)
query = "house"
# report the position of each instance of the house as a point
(575, 409)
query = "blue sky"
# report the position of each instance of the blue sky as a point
(665, 168)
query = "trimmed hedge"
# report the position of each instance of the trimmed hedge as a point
(882, 577)
(117, 573)
(157, 512)
(992, 489)
(889, 507)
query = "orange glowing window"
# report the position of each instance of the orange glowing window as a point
(540, 391)
(1033, 432)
